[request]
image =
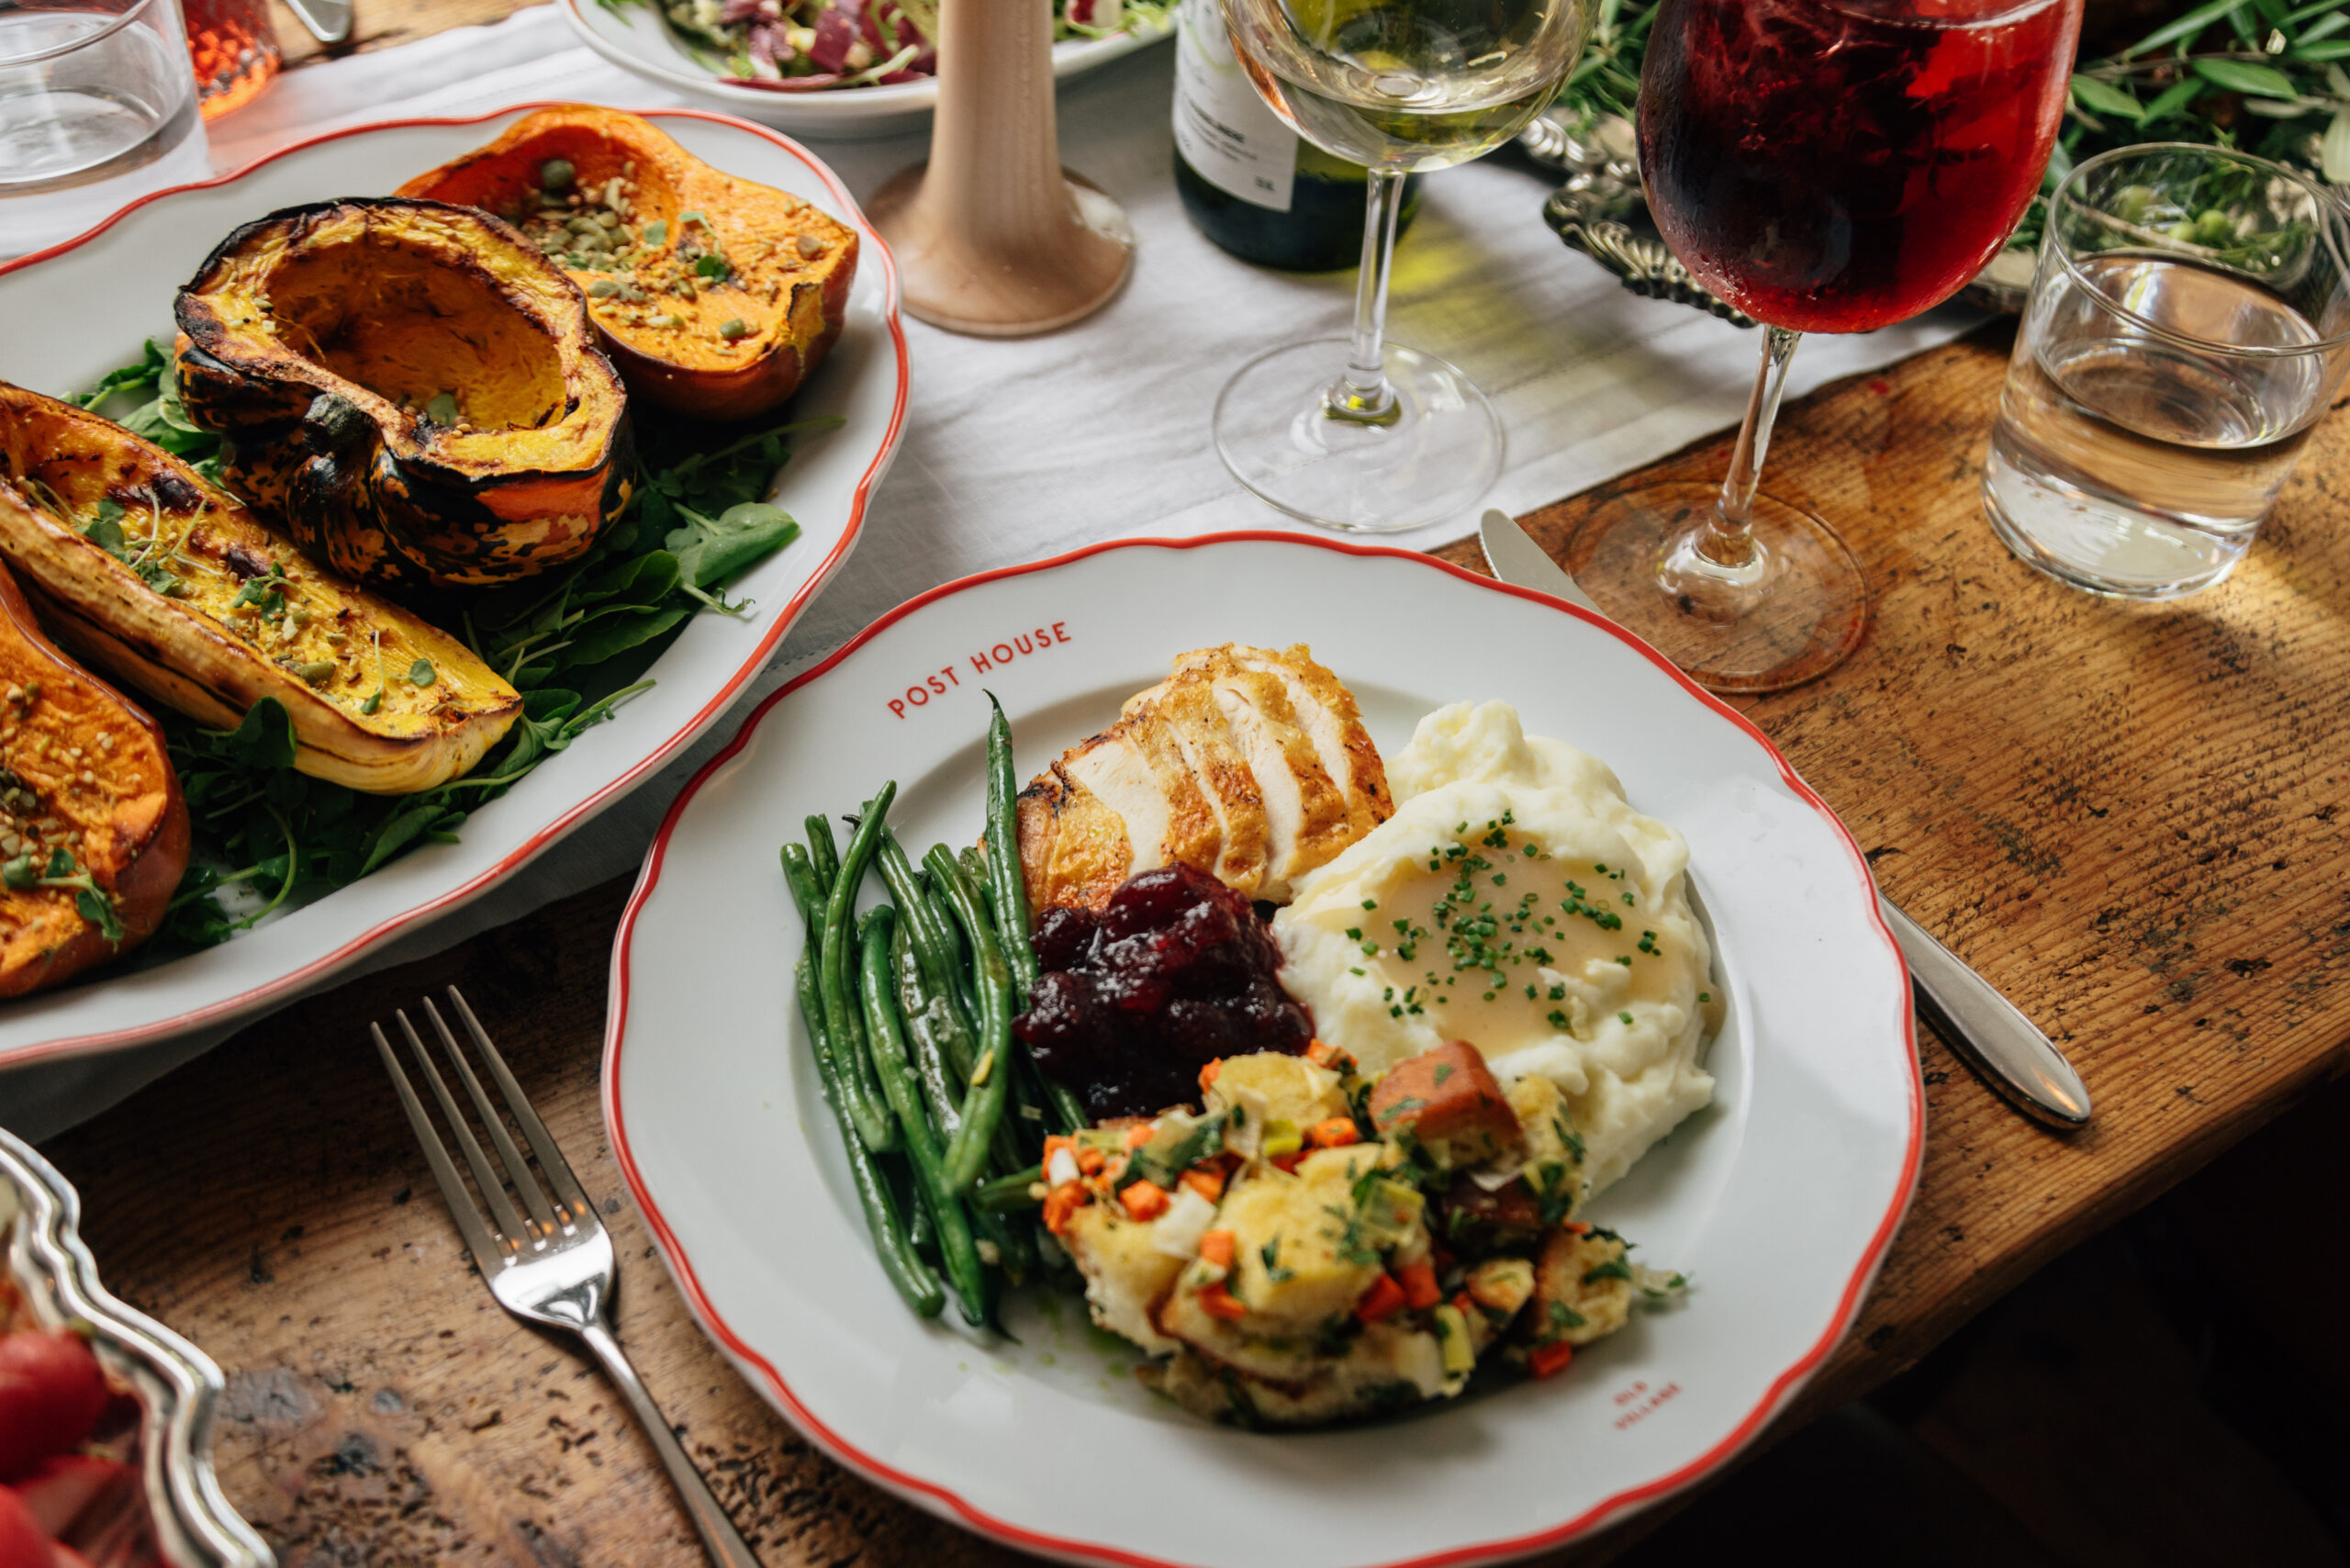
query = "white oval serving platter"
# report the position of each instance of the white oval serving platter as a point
(77, 310)
(1778, 1200)
(635, 38)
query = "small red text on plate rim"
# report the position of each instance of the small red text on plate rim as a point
(994, 656)
(1636, 1402)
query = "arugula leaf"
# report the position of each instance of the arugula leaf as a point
(711, 550)
(265, 739)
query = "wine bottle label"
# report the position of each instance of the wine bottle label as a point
(1223, 130)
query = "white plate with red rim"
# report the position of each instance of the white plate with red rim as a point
(637, 38)
(77, 310)
(1778, 1200)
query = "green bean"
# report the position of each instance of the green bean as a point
(991, 1075)
(807, 892)
(926, 926)
(966, 1042)
(908, 1273)
(1014, 1253)
(975, 867)
(958, 1253)
(820, 847)
(836, 980)
(856, 1101)
(1007, 886)
(917, 1004)
(924, 1013)
(1008, 1194)
(921, 1228)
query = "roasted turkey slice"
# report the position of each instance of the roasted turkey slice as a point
(1249, 764)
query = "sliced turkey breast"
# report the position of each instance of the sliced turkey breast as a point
(1251, 764)
(1325, 710)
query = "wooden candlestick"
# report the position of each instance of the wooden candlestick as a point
(992, 236)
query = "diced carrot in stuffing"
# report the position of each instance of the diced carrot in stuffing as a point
(1063, 1202)
(1290, 1163)
(1419, 1284)
(1055, 1143)
(1335, 1133)
(1143, 1200)
(1139, 1133)
(1218, 1302)
(1577, 1227)
(1090, 1160)
(1447, 1096)
(1385, 1299)
(1321, 1053)
(1207, 1074)
(1215, 1247)
(1544, 1360)
(1206, 1180)
(1463, 1303)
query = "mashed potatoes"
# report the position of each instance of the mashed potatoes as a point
(1516, 901)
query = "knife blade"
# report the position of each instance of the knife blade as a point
(328, 20)
(1990, 1032)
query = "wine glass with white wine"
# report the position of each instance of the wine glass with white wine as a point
(1359, 433)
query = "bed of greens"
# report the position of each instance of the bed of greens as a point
(576, 643)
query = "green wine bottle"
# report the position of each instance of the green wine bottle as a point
(1252, 185)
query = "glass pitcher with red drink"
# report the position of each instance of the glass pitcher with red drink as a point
(1827, 166)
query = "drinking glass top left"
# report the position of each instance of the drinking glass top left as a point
(97, 108)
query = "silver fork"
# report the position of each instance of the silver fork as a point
(555, 1267)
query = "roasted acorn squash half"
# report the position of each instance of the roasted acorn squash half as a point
(154, 577)
(94, 831)
(716, 297)
(411, 388)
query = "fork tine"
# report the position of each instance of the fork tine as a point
(486, 1175)
(452, 1186)
(566, 1186)
(524, 1182)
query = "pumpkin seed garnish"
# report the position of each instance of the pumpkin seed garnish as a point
(556, 174)
(442, 409)
(656, 232)
(733, 328)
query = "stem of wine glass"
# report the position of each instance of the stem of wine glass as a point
(1729, 539)
(1362, 394)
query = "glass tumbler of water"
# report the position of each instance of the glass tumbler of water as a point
(97, 108)
(2187, 326)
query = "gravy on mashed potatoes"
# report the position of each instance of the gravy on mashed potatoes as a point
(1517, 902)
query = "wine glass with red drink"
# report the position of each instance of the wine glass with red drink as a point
(1826, 166)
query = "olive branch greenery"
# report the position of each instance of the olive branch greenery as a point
(576, 643)
(2261, 77)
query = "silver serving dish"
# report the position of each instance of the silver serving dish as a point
(176, 1385)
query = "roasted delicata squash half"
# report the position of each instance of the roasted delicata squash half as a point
(94, 833)
(716, 297)
(153, 575)
(414, 391)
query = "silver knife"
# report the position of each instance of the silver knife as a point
(1989, 1030)
(329, 20)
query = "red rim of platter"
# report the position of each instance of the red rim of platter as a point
(1782, 1388)
(755, 660)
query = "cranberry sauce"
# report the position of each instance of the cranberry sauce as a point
(1177, 971)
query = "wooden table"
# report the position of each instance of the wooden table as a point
(2125, 817)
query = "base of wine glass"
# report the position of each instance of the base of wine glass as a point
(1790, 614)
(1429, 459)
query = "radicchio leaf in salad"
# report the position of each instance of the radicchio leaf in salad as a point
(805, 46)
